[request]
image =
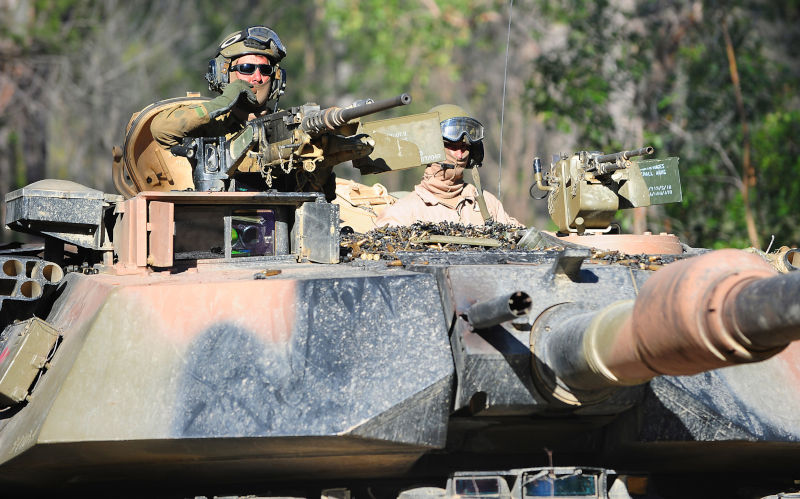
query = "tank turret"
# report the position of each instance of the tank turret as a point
(185, 343)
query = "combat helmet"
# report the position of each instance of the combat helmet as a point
(458, 125)
(259, 40)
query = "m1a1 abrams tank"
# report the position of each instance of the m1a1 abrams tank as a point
(196, 343)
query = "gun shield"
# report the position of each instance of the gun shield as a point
(402, 143)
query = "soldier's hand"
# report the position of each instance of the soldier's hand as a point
(236, 93)
(245, 97)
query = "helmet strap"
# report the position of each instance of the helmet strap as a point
(476, 180)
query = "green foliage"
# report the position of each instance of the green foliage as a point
(57, 26)
(672, 60)
(407, 40)
(713, 141)
(575, 81)
(776, 151)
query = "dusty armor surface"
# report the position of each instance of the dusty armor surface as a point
(183, 344)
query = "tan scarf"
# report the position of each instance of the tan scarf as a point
(445, 184)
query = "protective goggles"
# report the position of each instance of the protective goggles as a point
(455, 129)
(264, 35)
(259, 37)
(249, 68)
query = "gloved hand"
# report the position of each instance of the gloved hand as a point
(237, 92)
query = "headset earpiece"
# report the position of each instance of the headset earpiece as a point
(218, 73)
(476, 153)
(278, 84)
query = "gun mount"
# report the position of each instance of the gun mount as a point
(585, 190)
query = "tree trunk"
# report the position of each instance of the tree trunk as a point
(748, 170)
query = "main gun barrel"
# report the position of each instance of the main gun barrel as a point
(720, 309)
(325, 120)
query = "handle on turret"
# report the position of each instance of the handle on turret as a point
(538, 179)
(608, 163)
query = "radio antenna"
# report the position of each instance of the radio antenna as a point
(503, 105)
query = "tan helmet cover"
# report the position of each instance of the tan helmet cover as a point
(447, 111)
(259, 40)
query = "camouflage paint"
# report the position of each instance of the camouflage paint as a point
(163, 360)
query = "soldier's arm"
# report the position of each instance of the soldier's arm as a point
(211, 118)
(169, 127)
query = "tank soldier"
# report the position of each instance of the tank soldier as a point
(247, 74)
(442, 195)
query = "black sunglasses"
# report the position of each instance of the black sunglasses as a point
(249, 68)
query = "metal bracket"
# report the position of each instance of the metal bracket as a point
(568, 263)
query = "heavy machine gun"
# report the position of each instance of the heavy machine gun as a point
(302, 139)
(297, 147)
(585, 189)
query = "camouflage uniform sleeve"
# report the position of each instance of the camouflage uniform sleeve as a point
(170, 126)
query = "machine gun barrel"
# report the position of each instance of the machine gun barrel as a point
(624, 155)
(324, 120)
(716, 310)
(498, 310)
